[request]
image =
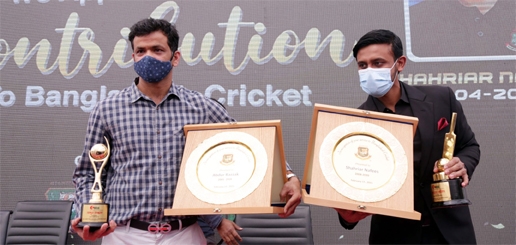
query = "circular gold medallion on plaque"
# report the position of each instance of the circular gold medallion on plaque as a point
(363, 162)
(226, 167)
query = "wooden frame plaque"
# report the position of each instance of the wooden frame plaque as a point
(361, 160)
(231, 168)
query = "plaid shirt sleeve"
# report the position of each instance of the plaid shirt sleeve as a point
(216, 113)
(212, 220)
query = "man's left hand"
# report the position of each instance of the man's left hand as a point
(455, 168)
(228, 232)
(291, 193)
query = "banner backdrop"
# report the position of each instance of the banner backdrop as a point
(263, 60)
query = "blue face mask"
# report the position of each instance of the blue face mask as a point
(151, 69)
(376, 81)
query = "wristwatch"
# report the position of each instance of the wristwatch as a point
(290, 176)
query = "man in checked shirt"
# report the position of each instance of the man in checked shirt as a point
(144, 125)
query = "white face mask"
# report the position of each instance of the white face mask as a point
(376, 81)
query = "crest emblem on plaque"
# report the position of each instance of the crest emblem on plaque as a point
(227, 159)
(363, 153)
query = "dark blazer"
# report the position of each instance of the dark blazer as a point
(429, 104)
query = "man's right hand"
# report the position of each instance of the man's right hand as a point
(85, 233)
(351, 216)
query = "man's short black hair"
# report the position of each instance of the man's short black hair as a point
(380, 37)
(150, 25)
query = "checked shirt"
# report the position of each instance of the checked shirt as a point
(147, 142)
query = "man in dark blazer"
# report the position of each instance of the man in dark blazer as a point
(379, 55)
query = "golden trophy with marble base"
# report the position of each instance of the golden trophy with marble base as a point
(96, 212)
(448, 192)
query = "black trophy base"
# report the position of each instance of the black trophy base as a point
(457, 194)
(94, 215)
(451, 203)
(93, 225)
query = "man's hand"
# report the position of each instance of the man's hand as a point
(85, 233)
(455, 168)
(351, 216)
(291, 192)
(227, 231)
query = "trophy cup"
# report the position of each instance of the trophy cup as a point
(96, 212)
(448, 192)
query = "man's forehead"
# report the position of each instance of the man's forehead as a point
(156, 35)
(150, 45)
(375, 51)
(146, 41)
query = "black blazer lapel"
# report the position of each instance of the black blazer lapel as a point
(424, 111)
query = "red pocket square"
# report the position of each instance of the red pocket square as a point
(441, 124)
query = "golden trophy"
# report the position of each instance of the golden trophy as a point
(448, 192)
(96, 212)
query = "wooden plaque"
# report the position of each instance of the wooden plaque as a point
(231, 168)
(361, 160)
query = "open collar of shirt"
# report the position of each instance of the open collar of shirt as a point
(136, 94)
(404, 97)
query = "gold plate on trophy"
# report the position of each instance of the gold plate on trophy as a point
(363, 162)
(226, 167)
